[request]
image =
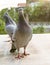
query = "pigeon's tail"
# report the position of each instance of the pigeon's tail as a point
(8, 19)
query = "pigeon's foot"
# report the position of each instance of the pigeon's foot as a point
(19, 56)
(12, 50)
(25, 54)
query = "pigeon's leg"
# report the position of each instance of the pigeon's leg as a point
(25, 52)
(19, 56)
(13, 49)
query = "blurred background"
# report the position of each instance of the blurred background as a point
(38, 12)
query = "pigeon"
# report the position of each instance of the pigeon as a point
(22, 34)
(10, 27)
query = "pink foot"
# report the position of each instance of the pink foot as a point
(25, 54)
(20, 56)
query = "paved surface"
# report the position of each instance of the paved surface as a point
(38, 47)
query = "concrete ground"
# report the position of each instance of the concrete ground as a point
(38, 48)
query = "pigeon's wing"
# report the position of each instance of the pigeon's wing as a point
(15, 33)
(11, 20)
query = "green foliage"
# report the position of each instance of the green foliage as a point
(41, 12)
(2, 25)
(13, 13)
(38, 30)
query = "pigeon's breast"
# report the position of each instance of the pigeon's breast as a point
(22, 38)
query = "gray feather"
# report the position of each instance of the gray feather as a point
(23, 33)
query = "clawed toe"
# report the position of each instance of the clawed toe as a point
(19, 56)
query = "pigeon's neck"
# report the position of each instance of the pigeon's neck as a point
(7, 21)
(22, 24)
(22, 20)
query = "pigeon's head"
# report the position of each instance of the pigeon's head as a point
(21, 14)
(20, 11)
